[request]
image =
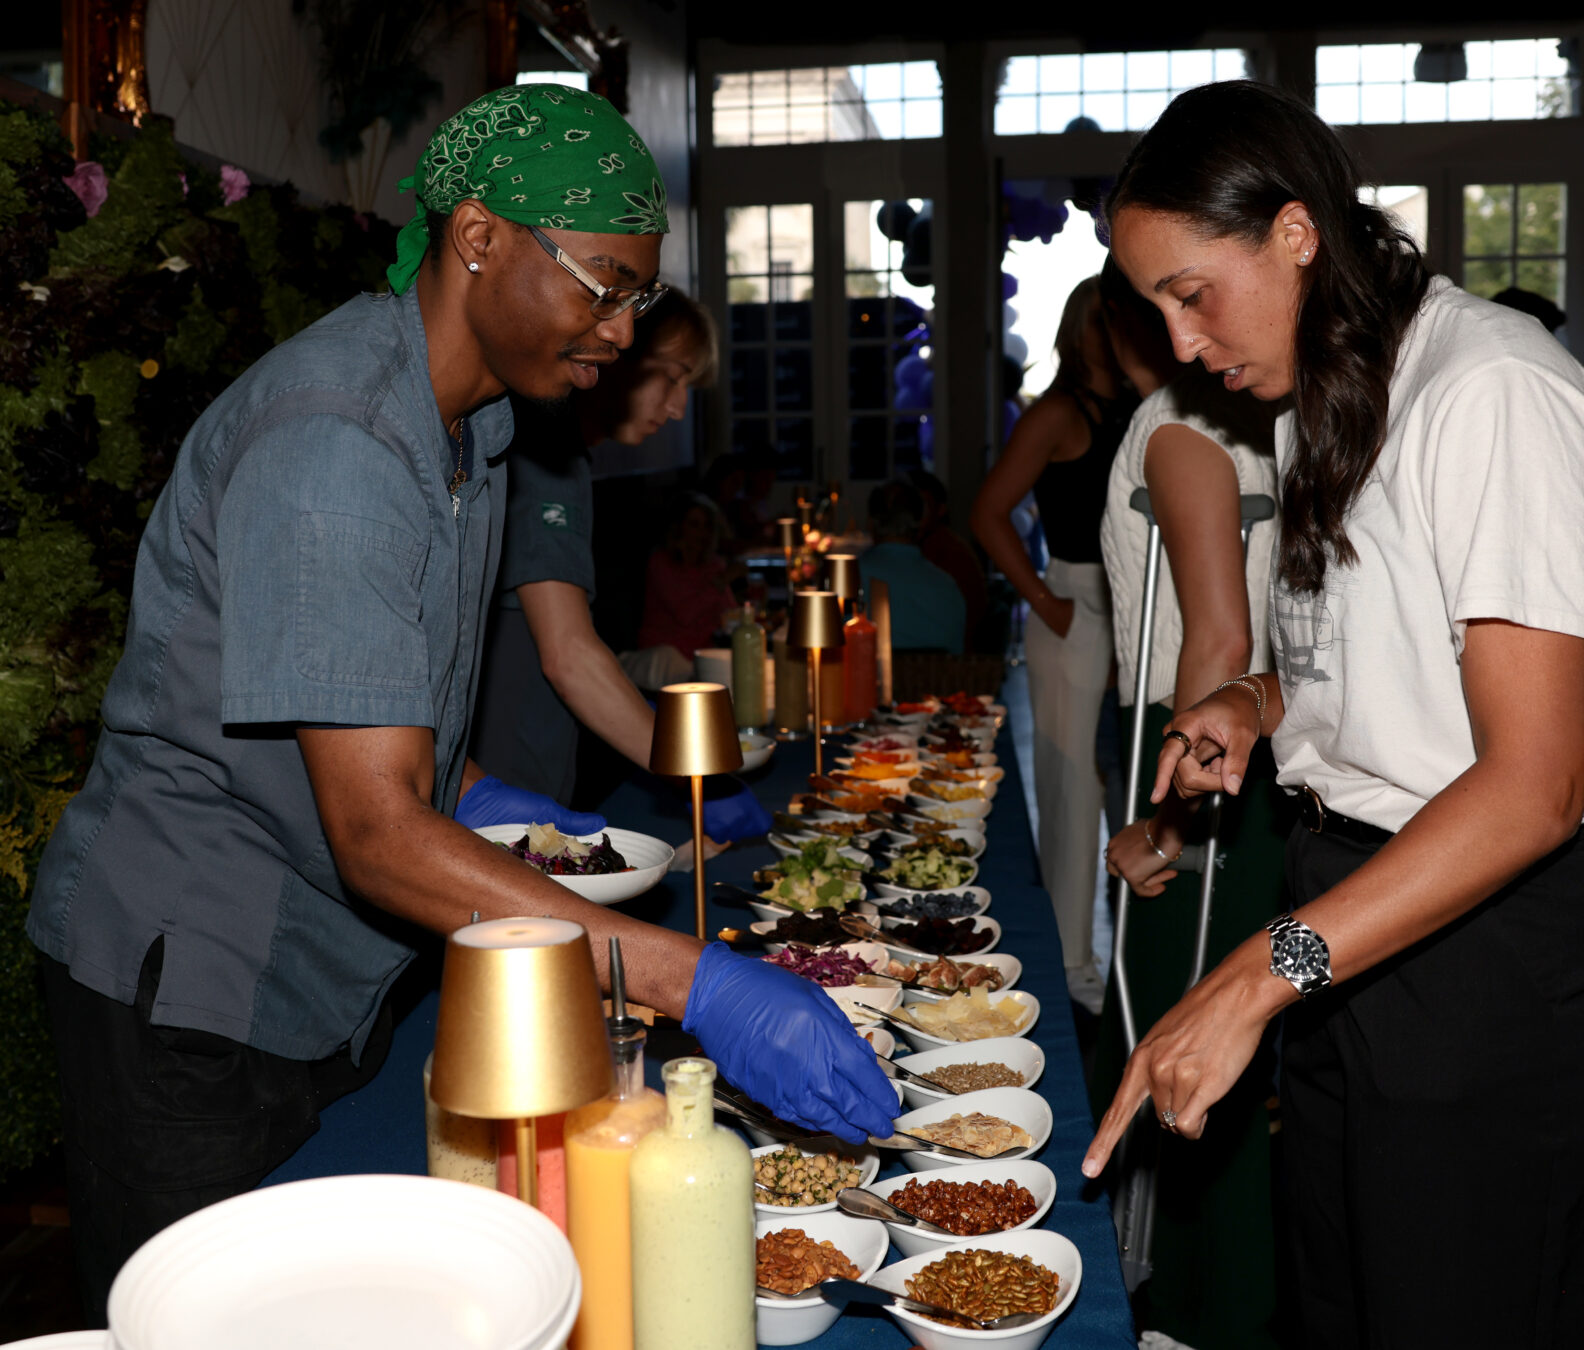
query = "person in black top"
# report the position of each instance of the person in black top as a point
(1062, 449)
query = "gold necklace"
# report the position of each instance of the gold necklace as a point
(460, 476)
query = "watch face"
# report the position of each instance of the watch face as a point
(1303, 955)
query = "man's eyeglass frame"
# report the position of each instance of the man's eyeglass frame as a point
(609, 302)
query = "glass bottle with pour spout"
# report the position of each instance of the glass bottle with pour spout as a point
(692, 1224)
(748, 672)
(600, 1139)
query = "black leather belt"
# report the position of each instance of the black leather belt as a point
(1319, 820)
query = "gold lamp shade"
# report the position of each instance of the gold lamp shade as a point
(695, 731)
(787, 535)
(521, 1028)
(816, 620)
(842, 574)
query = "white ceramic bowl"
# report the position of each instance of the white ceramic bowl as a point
(985, 789)
(756, 748)
(981, 922)
(867, 1160)
(65, 1340)
(861, 1241)
(819, 1143)
(401, 1262)
(1016, 1052)
(903, 768)
(978, 894)
(1051, 1250)
(892, 787)
(896, 888)
(957, 813)
(922, 1040)
(877, 740)
(648, 857)
(972, 835)
(883, 1041)
(1038, 1178)
(982, 758)
(788, 842)
(1018, 1105)
(1010, 967)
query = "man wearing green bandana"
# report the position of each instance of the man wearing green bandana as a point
(268, 827)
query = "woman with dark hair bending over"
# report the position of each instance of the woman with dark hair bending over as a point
(1427, 704)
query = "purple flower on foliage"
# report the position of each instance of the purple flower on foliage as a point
(88, 181)
(234, 183)
(182, 178)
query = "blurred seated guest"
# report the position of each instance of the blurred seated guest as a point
(685, 594)
(927, 610)
(546, 674)
(950, 552)
(748, 515)
(723, 484)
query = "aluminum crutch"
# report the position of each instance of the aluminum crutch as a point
(1134, 1211)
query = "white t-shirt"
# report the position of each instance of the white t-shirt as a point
(1241, 426)
(1474, 510)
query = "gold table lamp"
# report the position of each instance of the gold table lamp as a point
(788, 539)
(695, 734)
(841, 575)
(520, 1030)
(816, 624)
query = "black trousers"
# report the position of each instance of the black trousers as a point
(1433, 1125)
(161, 1121)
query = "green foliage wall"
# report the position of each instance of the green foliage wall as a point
(115, 333)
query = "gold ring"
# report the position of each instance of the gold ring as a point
(1183, 737)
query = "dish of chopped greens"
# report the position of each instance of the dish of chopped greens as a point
(816, 877)
(930, 870)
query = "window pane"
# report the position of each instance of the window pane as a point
(751, 434)
(1148, 70)
(921, 118)
(1057, 111)
(794, 322)
(907, 436)
(1381, 103)
(1486, 278)
(866, 377)
(747, 317)
(794, 447)
(1017, 116)
(1509, 59)
(920, 79)
(1409, 204)
(1543, 278)
(794, 379)
(1022, 75)
(1105, 71)
(1427, 103)
(887, 119)
(1487, 220)
(1469, 101)
(1143, 109)
(1382, 62)
(1192, 68)
(749, 385)
(1336, 65)
(1338, 104)
(819, 103)
(1061, 74)
(1109, 110)
(1231, 63)
(1513, 99)
(866, 448)
(1541, 217)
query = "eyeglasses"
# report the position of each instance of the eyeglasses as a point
(609, 301)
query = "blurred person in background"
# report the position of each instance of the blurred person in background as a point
(927, 609)
(950, 552)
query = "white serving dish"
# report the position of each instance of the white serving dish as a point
(649, 858)
(1010, 967)
(985, 787)
(969, 834)
(1038, 1178)
(798, 837)
(980, 773)
(64, 1340)
(894, 889)
(399, 1262)
(954, 813)
(1016, 1052)
(1020, 1106)
(978, 894)
(891, 787)
(867, 1161)
(981, 922)
(984, 759)
(906, 768)
(756, 748)
(883, 1041)
(922, 1040)
(1051, 1250)
(905, 740)
(793, 1321)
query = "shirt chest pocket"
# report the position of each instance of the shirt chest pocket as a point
(359, 603)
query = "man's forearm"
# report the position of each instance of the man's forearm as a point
(593, 685)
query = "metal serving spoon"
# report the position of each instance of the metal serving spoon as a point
(837, 1290)
(862, 1204)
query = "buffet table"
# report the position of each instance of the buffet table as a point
(381, 1128)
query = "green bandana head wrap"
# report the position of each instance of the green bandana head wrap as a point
(537, 154)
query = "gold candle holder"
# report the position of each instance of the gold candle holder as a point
(788, 539)
(695, 734)
(841, 576)
(520, 1030)
(816, 624)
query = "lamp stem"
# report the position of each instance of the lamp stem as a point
(819, 764)
(698, 857)
(791, 585)
(527, 1161)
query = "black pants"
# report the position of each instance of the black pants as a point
(1433, 1124)
(161, 1121)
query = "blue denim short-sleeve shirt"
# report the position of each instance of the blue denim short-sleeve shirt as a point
(304, 564)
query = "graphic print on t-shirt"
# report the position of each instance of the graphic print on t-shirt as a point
(1301, 632)
(555, 513)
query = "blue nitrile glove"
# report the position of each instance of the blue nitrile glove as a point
(733, 813)
(782, 1040)
(492, 802)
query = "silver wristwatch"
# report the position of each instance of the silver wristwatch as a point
(1299, 955)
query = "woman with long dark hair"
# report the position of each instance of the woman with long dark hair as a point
(1427, 705)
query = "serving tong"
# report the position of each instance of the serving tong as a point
(751, 1113)
(842, 1291)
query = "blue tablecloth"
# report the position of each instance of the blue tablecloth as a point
(380, 1128)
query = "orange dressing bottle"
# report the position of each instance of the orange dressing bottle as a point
(859, 664)
(600, 1139)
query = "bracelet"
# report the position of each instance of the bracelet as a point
(1149, 839)
(1250, 685)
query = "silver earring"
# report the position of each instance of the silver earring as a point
(1308, 253)
(473, 267)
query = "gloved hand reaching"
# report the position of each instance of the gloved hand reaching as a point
(492, 802)
(782, 1040)
(732, 813)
